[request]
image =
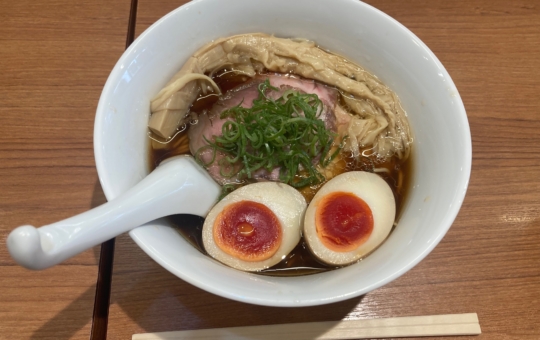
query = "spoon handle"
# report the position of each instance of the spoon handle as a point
(177, 186)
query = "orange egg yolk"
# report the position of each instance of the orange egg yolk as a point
(343, 221)
(248, 231)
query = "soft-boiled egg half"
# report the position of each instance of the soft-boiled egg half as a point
(255, 226)
(350, 216)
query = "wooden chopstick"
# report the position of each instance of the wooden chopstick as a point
(410, 326)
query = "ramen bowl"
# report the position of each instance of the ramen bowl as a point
(363, 34)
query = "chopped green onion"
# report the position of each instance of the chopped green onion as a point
(284, 133)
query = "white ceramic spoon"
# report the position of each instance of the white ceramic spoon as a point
(177, 186)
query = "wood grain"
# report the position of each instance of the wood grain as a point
(55, 57)
(488, 263)
(383, 328)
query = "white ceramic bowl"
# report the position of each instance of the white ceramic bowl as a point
(442, 146)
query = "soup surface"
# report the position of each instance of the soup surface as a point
(300, 261)
(376, 139)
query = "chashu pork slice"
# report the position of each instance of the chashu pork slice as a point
(210, 124)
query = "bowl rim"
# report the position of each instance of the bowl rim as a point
(463, 179)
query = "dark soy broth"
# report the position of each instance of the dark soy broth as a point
(300, 261)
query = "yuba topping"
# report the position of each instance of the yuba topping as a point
(248, 230)
(343, 221)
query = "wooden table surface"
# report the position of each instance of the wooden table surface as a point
(55, 57)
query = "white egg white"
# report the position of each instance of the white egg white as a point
(283, 200)
(378, 196)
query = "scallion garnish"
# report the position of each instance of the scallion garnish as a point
(284, 133)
